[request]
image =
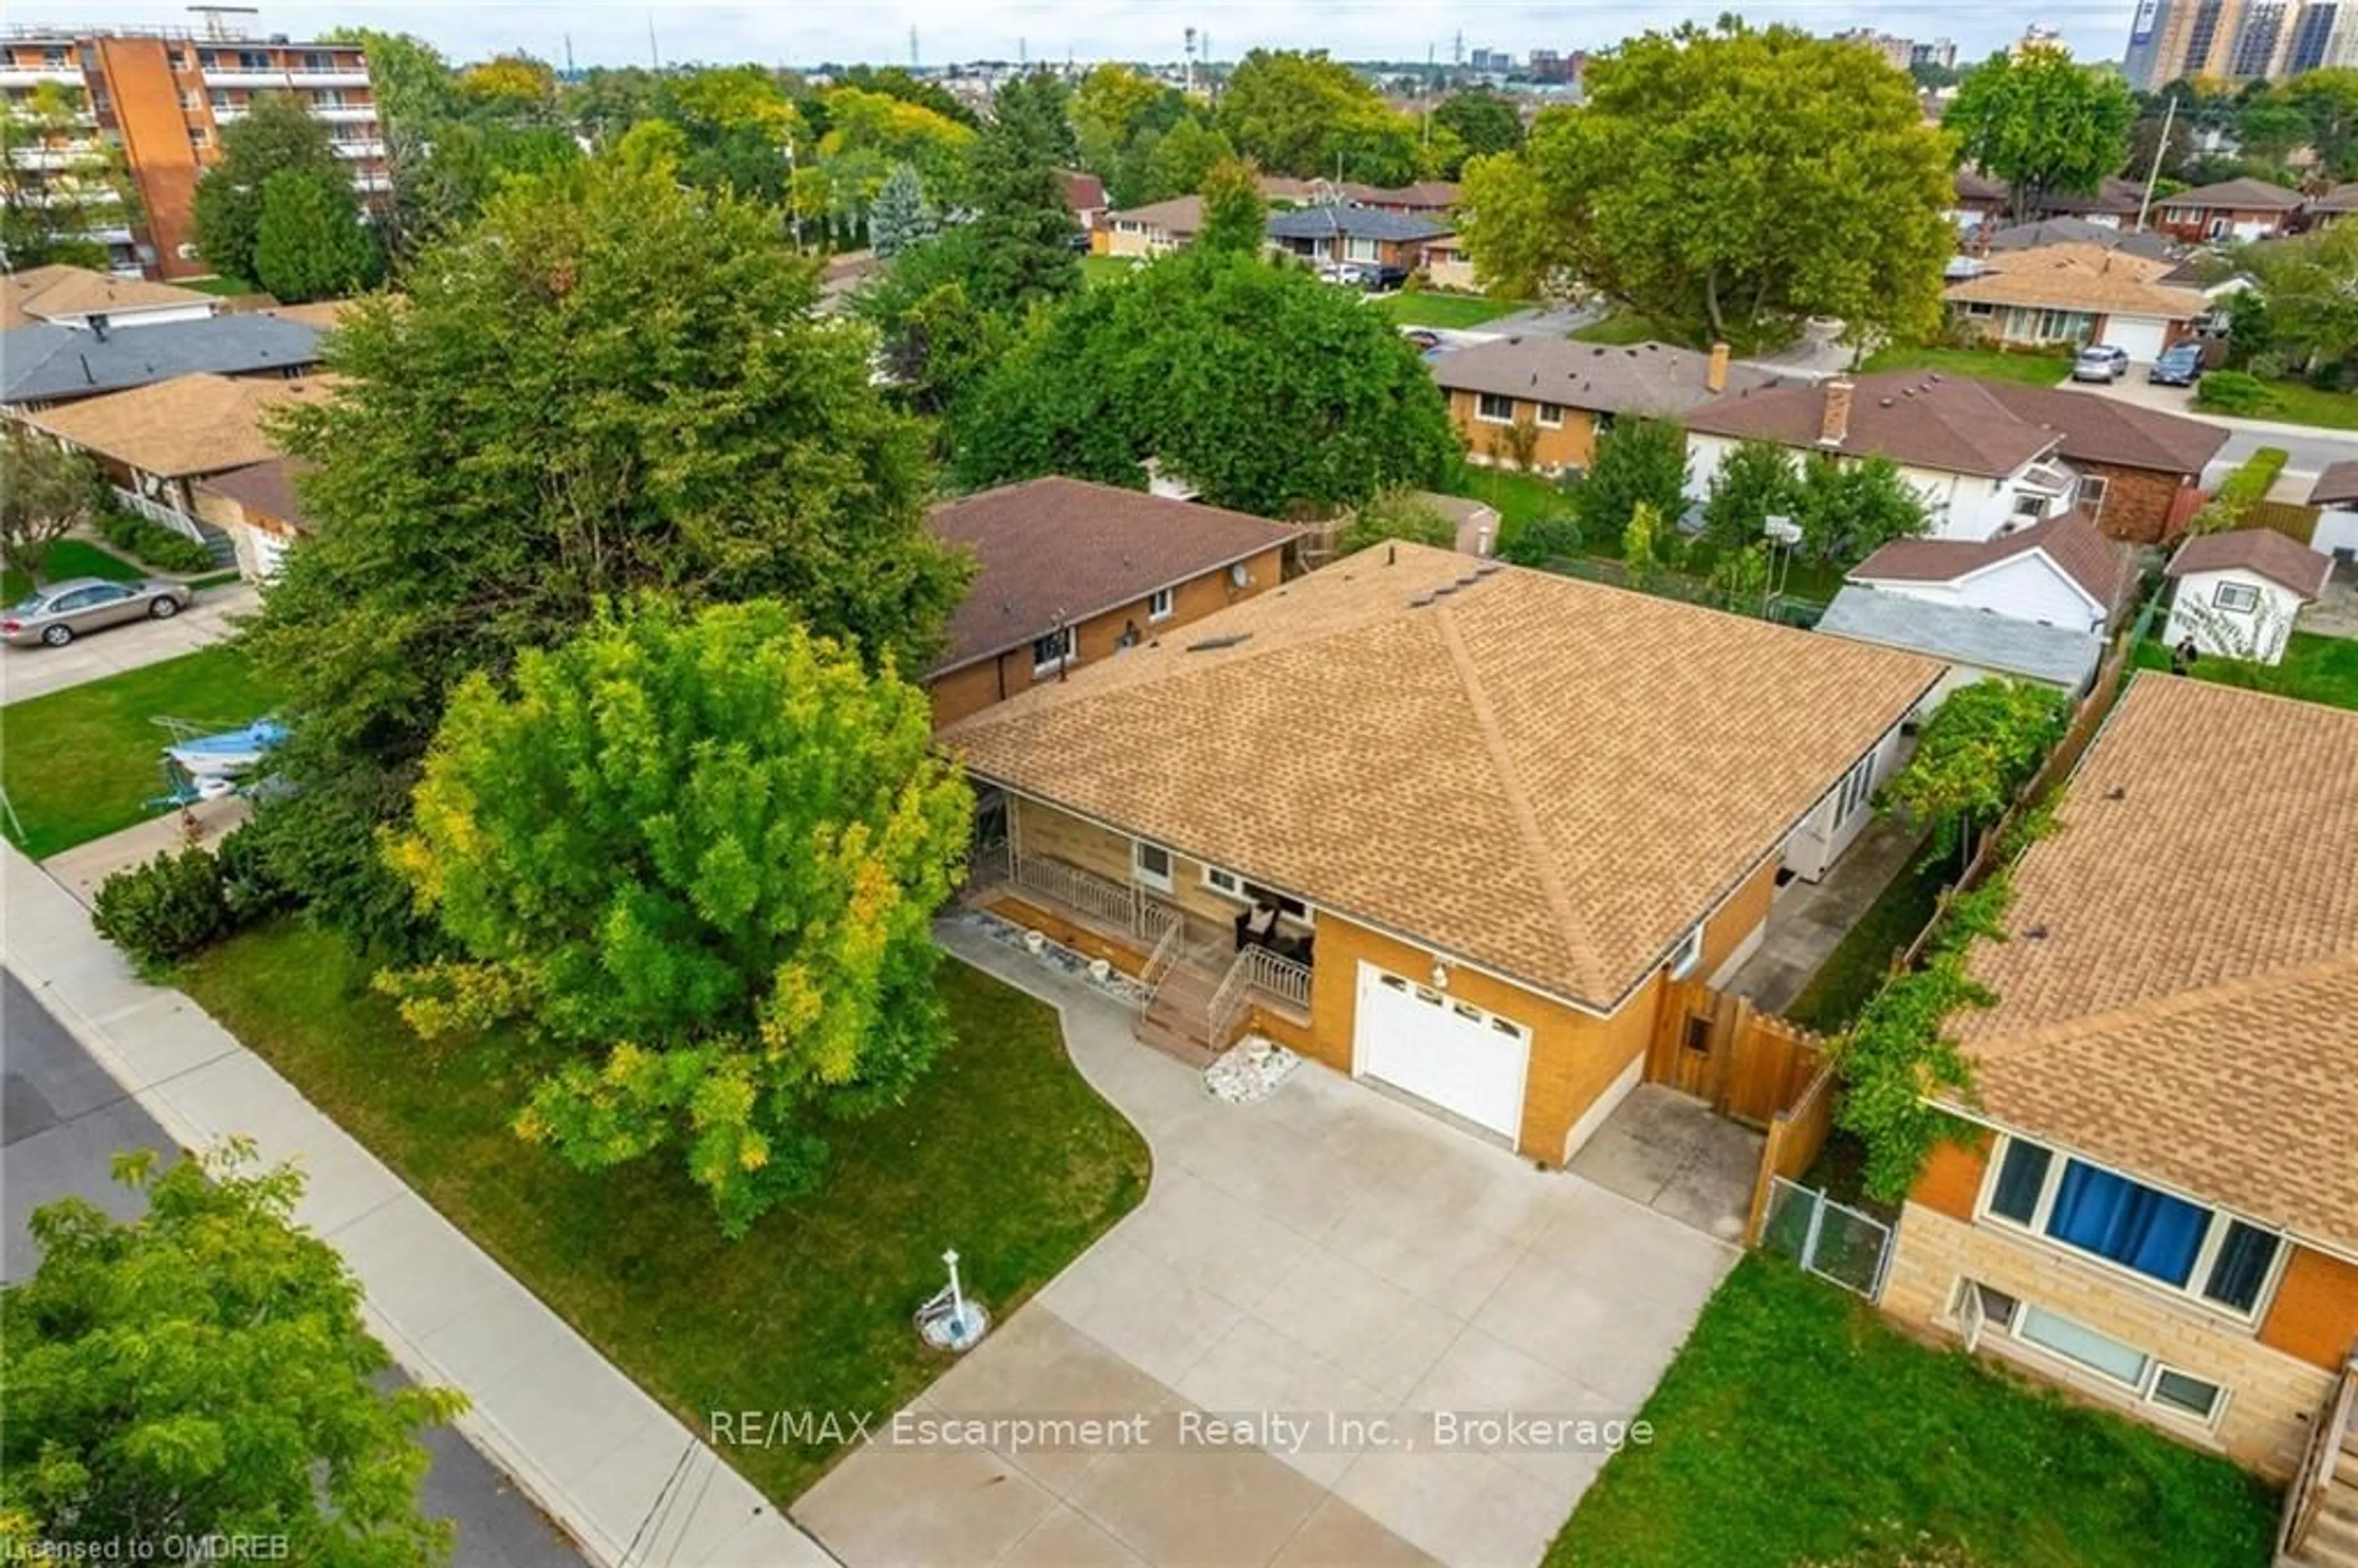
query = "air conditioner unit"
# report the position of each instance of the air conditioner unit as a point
(1240, 575)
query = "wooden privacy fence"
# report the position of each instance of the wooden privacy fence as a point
(1796, 1133)
(1747, 1064)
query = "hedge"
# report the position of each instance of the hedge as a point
(2240, 491)
(155, 545)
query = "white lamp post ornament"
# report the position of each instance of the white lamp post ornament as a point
(949, 1321)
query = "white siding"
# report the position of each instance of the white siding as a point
(2336, 532)
(2026, 587)
(2258, 633)
(1963, 507)
(1819, 842)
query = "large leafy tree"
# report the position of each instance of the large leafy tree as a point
(697, 858)
(203, 1371)
(310, 243)
(1729, 183)
(1235, 216)
(278, 136)
(1023, 228)
(1482, 120)
(1637, 463)
(55, 185)
(1308, 115)
(610, 383)
(1175, 162)
(1266, 390)
(2044, 122)
(1754, 481)
(1848, 510)
(2328, 100)
(2306, 308)
(45, 492)
(867, 135)
(1971, 758)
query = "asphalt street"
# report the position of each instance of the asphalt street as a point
(62, 1121)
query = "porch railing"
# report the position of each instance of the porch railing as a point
(1122, 905)
(2305, 1498)
(1159, 963)
(1257, 970)
(171, 517)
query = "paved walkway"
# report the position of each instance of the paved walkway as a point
(66, 1118)
(613, 1467)
(1809, 920)
(1330, 1256)
(36, 671)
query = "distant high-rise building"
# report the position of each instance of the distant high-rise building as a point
(1500, 60)
(2238, 40)
(2036, 36)
(1900, 52)
(1941, 52)
(162, 96)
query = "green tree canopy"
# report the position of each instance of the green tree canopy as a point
(1262, 387)
(697, 859)
(2328, 99)
(902, 217)
(1235, 216)
(1728, 184)
(1972, 756)
(278, 136)
(1638, 462)
(1398, 515)
(1308, 115)
(2307, 306)
(2044, 122)
(1483, 122)
(1756, 481)
(610, 384)
(937, 342)
(1848, 510)
(202, 1370)
(1022, 227)
(310, 243)
(1176, 161)
(56, 182)
(45, 492)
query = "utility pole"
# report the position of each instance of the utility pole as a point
(2161, 146)
(654, 54)
(912, 46)
(1190, 89)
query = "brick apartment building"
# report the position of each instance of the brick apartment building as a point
(164, 96)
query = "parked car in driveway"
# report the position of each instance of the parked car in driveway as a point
(2180, 365)
(2100, 361)
(58, 613)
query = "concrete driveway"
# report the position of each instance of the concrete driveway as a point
(1329, 1258)
(36, 672)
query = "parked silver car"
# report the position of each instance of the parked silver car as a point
(58, 613)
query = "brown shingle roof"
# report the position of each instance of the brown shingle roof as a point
(1054, 550)
(2110, 430)
(190, 425)
(40, 293)
(1547, 777)
(1182, 216)
(2079, 277)
(2072, 542)
(2338, 483)
(1637, 378)
(266, 488)
(2178, 994)
(1916, 418)
(2241, 195)
(2262, 551)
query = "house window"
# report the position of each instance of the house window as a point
(1053, 651)
(1552, 415)
(1362, 251)
(2223, 1260)
(1493, 409)
(1158, 605)
(1228, 884)
(2186, 1394)
(2027, 505)
(2236, 597)
(1857, 785)
(1150, 865)
(2060, 1335)
(2092, 491)
(1687, 954)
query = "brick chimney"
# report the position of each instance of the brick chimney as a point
(1834, 425)
(1715, 378)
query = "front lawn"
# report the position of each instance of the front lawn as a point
(79, 763)
(1620, 327)
(1003, 1152)
(1798, 1427)
(67, 558)
(1831, 1001)
(2315, 669)
(2298, 403)
(227, 288)
(2031, 370)
(1424, 309)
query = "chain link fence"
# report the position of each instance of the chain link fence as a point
(1831, 1241)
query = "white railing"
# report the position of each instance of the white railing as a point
(2305, 1498)
(1075, 889)
(1257, 970)
(155, 512)
(1159, 963)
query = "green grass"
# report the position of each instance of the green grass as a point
(79, 763)
(1003, 1152)
(1426, 309)
(217, 580)
(2031, 370)
(1096, 270)
(2315, 668)
(1832, 999)
(227, 288)
(1798, 1427)
(1519, 497)
(1620, 327)
(67, 558)
(2298, 403)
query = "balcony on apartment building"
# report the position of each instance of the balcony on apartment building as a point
(15, 73)
(56, 155)
(267, 75)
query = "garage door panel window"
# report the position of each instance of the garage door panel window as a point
(1441, 1049)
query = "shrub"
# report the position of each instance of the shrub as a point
(2240, 491)
(249, 885)
(2268, 366)
(1537, 541)
(152, 544)
(160, 913)
(2233, 391)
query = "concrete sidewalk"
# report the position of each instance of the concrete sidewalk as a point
(628, 1479)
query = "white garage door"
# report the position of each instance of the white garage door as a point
(1442, 1050)
(2140, 338)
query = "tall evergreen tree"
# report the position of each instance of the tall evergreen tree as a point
(901, 217)
(310, 243)
(1023, 228)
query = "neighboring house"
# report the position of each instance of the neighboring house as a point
(2335, 495)
(1986, 456)
(1433, 198)
(2237, 594)
(2333, 206)
(155, 442)
(2073, 295)
(1973, 644)
(78, 297)
(2241, 209)
(2061, 571)
(1069, 574)
(1490, 808)
(1447, 265)
(1983, 203)
(2158, 1204)
(2046, 232)
(1085, 195)
(1569, 393)
(1150, 230)
(1367, 235)
(258, 508)
(43, 364)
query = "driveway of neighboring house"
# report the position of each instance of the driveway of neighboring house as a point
(1329, 1256)
(35, 672)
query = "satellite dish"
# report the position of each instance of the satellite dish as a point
(1240, 575)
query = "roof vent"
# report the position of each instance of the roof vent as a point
(1420, 601)
(2036, 933)
(2118, 792)
(1467, 579)
(1487, 569)
(1213, 644)
(1441, 590)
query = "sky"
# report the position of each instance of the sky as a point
(603, 33)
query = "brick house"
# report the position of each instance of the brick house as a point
(1069, 573)
(1367, 235)
(1436, 822)
(2157, 1208)
(1567, 393)
(259, 508)
(2140, 470)
(2076, 294)
(2240, 210)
